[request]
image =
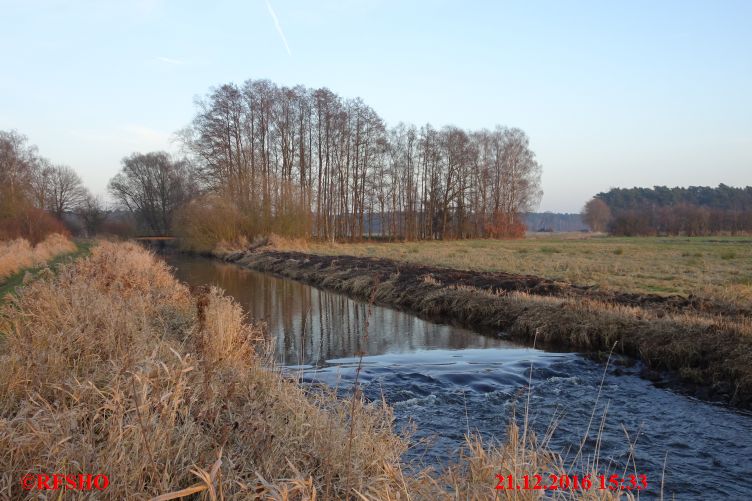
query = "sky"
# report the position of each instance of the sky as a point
(611, 94)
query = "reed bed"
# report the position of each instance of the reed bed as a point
(113, 367)
(18, 254)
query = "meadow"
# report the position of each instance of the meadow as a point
(714, 267)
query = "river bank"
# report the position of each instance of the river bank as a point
(113, 367)
(706, 347)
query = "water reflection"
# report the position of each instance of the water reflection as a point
(311, 326)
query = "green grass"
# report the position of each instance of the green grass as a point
(550, 250)
(13, 282)
(726, 255)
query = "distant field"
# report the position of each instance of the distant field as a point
(718, 267)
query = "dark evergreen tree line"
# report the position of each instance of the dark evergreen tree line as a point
(696, 210)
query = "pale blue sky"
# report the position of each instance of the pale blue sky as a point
(610, 93)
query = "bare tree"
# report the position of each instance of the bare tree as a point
(596, 214)
(151, 186)
(518, 178)
(40, 184)
(92, 214)
(18, 161)
(31, 189)
(65, 190)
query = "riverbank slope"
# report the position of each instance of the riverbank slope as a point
(706, 344)
(718, 268)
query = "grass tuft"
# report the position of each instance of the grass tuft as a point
(18, 254)
(550, 250)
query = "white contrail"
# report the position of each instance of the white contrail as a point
(169, 60)
(279, 27)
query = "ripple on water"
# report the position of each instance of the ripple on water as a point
(447, 381)
(446, 399)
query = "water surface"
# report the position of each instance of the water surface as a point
(446, 381)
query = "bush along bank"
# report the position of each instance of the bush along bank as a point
(706, 348)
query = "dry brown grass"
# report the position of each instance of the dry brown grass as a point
(18, 254)
(114, 367)
(714, 267)
(278, 242)
(225, 249)
(111, 366)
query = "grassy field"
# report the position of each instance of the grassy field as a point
(718, 267)
(10, 284)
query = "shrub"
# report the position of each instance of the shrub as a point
(206, 221)
(31, 224)
(505, 226)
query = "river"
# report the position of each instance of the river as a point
(445, 381)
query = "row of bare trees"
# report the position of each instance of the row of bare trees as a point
(308, 162)
(32, 189)
(27, 176)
